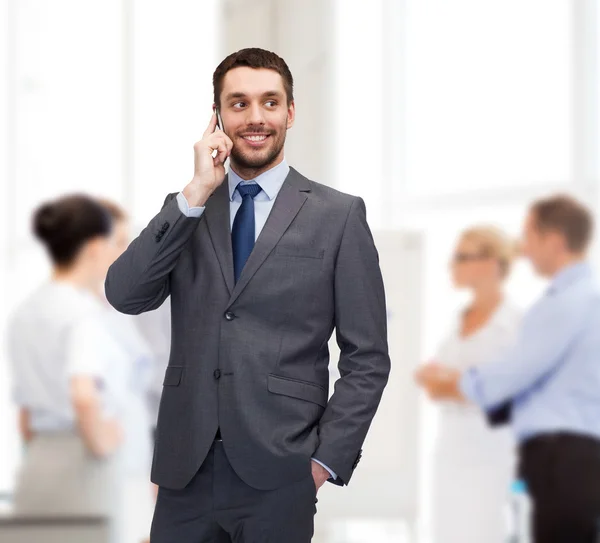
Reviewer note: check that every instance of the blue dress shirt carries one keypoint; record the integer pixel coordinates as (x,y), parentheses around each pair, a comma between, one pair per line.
(552,373)
(270,182)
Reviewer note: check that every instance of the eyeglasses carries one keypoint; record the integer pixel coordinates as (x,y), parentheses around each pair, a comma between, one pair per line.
(459,258)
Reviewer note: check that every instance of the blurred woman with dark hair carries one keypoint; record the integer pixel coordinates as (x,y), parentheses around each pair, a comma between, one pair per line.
(71,376)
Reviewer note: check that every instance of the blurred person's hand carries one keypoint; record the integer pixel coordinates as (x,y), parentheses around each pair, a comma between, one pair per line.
(319,474)
(209,172)
(100,435)
(112,437)
(427,372)
(421,373)
(107,440)
(440,382)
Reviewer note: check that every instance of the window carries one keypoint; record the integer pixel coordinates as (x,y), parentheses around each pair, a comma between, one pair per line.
(172,101)
(488,94)
(357,114)
(67,107)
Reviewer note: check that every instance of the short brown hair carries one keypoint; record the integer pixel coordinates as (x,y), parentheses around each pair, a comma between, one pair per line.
(565,215)
(253,58)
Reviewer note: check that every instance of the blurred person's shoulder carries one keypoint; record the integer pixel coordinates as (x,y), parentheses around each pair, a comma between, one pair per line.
(53,303)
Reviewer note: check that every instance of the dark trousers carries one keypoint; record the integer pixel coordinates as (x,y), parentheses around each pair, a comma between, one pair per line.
(217,506)
(562,472)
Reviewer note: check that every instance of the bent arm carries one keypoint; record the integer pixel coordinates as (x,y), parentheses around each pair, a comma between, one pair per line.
(138,281)
(361,328)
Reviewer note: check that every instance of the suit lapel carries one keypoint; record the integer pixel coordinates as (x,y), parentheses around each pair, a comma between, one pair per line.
(288,203)
(218,222)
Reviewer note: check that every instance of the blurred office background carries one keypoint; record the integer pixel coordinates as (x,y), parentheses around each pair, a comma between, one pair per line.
(439,113)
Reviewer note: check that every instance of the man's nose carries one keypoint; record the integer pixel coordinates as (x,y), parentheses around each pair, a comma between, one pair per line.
(255,115)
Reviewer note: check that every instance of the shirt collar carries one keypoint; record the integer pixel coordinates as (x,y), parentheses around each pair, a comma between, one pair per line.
(270,181)
(568,275)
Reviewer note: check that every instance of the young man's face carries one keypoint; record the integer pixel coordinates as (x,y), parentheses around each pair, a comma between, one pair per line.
(256,116)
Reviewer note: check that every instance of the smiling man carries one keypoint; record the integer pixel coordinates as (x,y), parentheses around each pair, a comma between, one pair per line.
(261,265)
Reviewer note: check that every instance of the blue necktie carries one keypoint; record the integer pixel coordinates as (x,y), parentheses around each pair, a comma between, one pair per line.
(243,231)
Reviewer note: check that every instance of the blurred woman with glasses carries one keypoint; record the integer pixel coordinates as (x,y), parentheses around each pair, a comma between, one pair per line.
(474,464)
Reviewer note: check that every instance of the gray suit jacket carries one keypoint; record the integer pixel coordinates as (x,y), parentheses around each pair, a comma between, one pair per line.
(252,357)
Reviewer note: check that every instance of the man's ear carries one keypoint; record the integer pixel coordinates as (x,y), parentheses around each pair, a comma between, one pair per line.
(291,114)
(557,241)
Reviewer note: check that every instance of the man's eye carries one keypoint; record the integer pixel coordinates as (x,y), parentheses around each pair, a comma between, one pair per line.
(239,105)
(271,103)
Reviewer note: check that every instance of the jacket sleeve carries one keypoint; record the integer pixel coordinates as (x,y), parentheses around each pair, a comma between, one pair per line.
(361,331)
(138,281)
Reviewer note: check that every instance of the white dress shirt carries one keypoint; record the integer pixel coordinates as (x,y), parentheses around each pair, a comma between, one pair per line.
(270,182)
(44,346)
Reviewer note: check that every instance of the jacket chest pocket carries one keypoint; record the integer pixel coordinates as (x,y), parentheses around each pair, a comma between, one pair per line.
(299,253)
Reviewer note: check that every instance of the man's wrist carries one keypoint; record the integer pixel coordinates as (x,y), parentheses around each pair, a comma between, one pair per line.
(196,196)
(325,468)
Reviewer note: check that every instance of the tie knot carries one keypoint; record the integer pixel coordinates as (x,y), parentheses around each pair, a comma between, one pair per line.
(249,190)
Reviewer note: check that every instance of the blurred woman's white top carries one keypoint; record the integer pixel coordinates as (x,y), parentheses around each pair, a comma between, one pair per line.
(61,331)
(45,343)
(473,463)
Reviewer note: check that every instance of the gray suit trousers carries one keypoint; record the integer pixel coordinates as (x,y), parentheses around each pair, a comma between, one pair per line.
(218,507)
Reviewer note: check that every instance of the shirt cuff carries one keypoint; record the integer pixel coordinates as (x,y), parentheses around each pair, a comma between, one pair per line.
(185,208)
(331,472)
(471,387)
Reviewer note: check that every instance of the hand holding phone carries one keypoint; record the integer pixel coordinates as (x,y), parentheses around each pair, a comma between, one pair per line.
(209,170)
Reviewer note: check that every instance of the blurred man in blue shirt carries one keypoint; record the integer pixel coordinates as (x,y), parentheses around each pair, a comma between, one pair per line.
(550,380)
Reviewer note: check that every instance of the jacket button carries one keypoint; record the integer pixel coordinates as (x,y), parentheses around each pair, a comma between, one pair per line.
(217,374)
(229,316)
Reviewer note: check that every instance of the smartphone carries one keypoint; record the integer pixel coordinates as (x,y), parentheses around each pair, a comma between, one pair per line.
(219,126)
(219,120)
